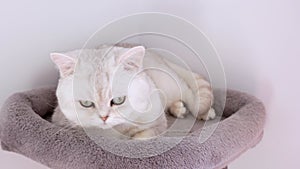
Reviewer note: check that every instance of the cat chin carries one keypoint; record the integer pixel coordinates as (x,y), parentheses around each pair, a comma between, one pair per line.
(105,126)
(100,126)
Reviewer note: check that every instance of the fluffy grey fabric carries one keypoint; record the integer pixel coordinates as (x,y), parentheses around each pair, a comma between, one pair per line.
(24,130)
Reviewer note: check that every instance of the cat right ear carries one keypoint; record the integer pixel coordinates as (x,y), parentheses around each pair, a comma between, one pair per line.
(65,64)
(132,59)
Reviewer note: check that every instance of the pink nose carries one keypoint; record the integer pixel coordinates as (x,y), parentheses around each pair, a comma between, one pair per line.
(104,118)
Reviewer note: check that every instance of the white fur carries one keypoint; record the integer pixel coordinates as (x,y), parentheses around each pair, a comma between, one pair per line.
(151,84)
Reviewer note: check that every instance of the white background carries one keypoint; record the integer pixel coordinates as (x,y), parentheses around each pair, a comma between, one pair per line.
(258,42)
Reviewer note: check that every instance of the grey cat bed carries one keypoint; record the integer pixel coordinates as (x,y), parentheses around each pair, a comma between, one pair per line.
(24,130)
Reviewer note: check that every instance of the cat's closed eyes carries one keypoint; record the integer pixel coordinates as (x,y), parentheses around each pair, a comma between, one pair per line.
(114,87)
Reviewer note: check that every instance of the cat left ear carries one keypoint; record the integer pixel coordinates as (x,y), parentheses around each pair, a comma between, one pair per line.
(65,64)
(133,58)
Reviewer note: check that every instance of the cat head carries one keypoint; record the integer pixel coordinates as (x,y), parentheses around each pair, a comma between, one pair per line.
(102,87)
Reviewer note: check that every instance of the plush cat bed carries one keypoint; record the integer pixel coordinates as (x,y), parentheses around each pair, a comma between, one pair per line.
(24,130)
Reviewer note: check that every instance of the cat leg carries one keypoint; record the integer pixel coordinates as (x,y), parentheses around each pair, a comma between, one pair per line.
(178,109)
(200,99)
(204,99)
(145,134)
(211,114)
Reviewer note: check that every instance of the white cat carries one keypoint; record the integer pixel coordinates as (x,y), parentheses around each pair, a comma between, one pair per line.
(127,89)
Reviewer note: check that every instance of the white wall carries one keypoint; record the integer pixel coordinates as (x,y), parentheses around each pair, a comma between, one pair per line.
(257,40)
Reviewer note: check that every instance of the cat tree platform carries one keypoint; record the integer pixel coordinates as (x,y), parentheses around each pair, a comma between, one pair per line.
(24,130)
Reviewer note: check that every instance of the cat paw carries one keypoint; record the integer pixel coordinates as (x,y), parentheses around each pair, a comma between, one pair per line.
(178,109)
(211,114)
(143,135)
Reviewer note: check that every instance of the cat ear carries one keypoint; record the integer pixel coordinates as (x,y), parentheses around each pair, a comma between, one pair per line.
(133,58)
(65,64)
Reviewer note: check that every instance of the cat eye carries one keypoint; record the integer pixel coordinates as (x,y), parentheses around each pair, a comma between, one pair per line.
(118,100)
(86,104)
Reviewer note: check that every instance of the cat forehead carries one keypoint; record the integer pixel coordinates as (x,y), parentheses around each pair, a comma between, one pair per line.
(104,52)
(93,61)
(102,77)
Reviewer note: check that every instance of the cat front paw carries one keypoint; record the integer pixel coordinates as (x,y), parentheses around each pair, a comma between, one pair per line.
(143,135)
(178,109)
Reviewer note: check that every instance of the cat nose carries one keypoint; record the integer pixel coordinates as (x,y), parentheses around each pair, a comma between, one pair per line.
(104,118)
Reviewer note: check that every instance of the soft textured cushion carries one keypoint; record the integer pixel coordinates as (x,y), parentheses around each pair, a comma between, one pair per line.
(25,130)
